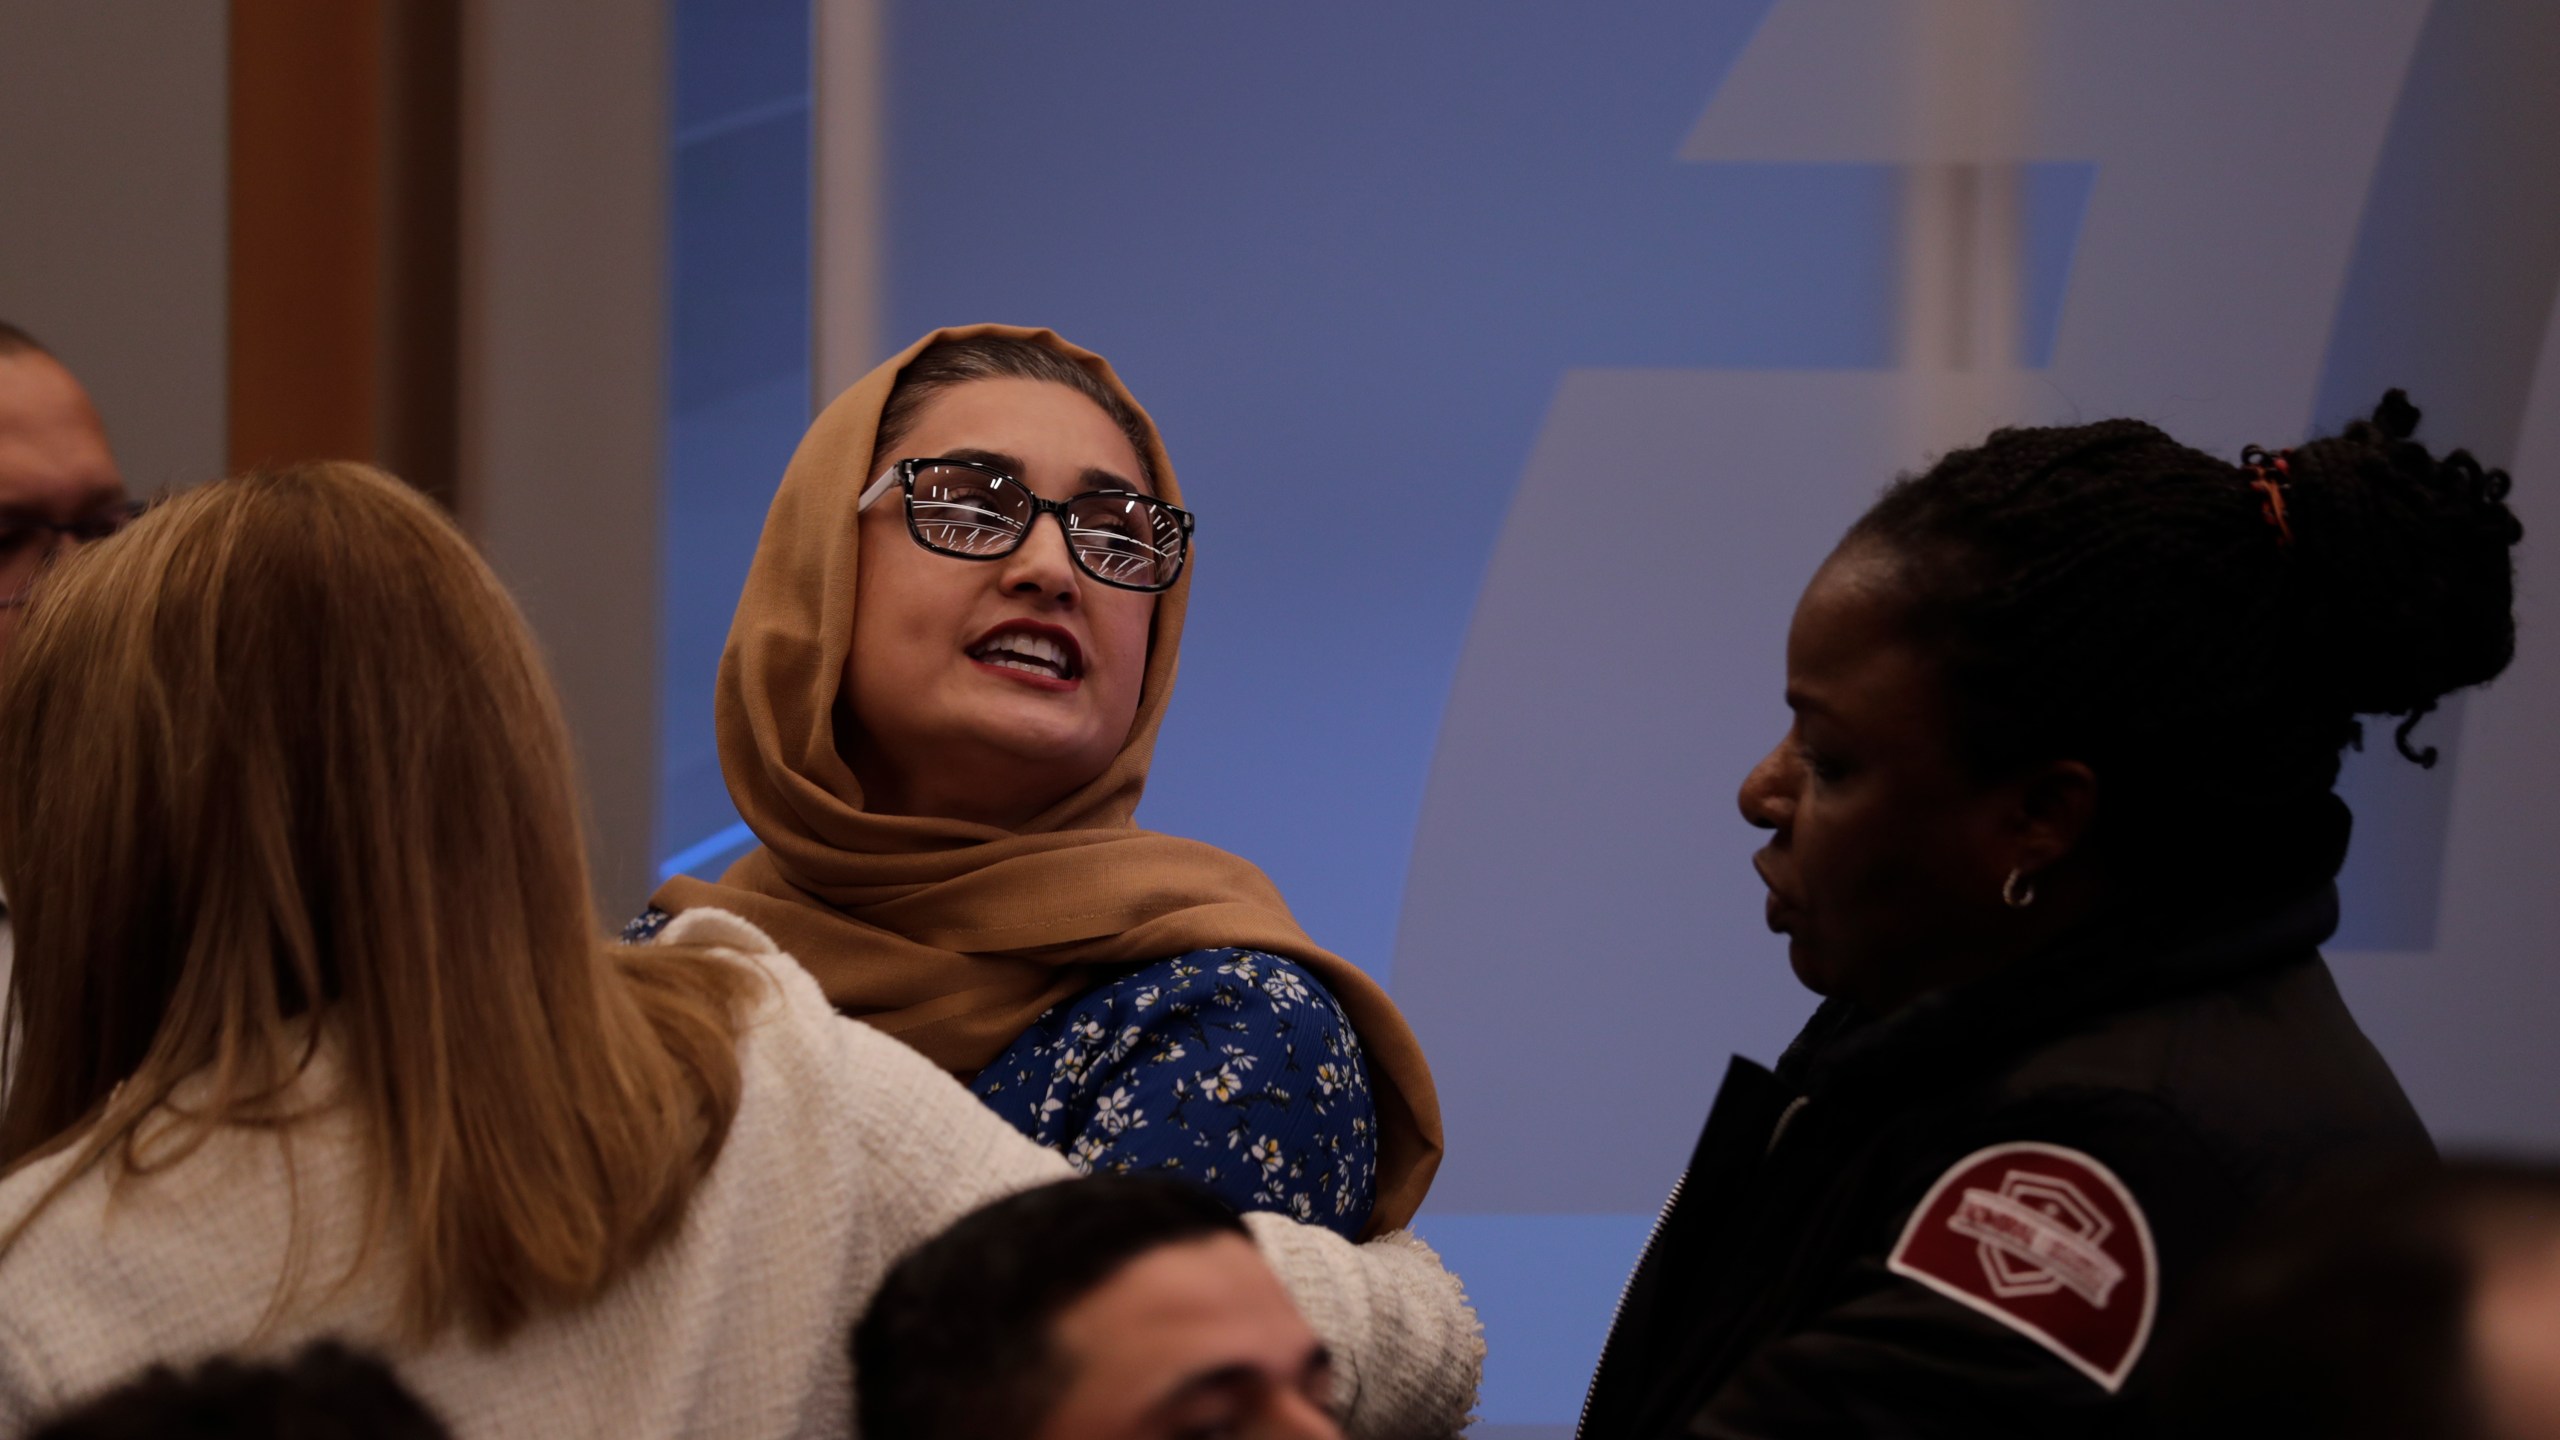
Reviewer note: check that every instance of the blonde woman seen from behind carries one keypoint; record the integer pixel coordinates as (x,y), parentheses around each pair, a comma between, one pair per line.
(319,1036)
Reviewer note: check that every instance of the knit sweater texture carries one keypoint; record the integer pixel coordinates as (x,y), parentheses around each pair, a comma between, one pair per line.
(848,1150)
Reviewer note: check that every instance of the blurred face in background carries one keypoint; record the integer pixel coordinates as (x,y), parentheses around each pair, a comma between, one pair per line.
(2515,1340)
(1188,1342)
(988,690)
(55,471)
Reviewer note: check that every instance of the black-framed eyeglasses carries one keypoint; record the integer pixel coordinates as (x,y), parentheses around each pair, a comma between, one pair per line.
(970,511)
(28,546)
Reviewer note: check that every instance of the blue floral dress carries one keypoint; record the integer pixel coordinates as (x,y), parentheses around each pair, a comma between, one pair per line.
(1233,1068)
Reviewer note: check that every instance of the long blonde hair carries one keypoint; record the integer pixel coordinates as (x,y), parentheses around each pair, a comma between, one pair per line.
(286,774)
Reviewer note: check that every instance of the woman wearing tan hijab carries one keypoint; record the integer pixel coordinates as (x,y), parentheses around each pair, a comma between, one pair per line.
(936,711)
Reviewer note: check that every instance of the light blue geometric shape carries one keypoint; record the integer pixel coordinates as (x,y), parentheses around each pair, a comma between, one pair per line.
(1546,1287)
(2452,311)
(2052,198)
(702,852)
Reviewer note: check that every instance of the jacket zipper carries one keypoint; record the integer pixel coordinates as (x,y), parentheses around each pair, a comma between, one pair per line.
(1618,1311)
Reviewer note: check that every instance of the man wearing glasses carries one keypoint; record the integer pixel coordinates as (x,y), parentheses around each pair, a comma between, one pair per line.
(58,482)
(58,489)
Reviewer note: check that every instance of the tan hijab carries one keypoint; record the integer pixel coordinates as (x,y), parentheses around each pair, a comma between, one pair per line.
(955,936)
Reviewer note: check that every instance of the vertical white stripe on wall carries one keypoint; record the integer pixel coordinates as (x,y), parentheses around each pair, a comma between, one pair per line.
(847,139)
(1970,69)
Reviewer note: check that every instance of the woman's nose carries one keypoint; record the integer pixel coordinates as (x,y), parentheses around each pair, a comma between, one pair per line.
(1040,564)
(1767,797)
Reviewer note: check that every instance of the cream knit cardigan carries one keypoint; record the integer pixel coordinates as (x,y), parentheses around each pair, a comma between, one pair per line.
(848,1150)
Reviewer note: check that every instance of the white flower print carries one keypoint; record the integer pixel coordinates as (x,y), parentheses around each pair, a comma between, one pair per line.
(1194,1065)
(1117,1111)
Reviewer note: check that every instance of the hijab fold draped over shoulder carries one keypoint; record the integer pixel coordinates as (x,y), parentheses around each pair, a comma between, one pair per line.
(956,936)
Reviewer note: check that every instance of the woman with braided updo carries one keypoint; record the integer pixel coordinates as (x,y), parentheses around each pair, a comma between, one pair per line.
(2054,834)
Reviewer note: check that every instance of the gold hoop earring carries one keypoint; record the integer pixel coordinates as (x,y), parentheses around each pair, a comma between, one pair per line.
(2018,892)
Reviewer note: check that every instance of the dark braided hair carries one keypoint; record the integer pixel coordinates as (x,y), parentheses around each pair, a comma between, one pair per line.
(2102,593)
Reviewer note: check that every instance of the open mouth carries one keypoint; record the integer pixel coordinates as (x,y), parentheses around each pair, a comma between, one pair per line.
(1780,909)
(1033,649)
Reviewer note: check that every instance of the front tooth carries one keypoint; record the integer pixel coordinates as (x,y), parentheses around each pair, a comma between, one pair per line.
(1043,648)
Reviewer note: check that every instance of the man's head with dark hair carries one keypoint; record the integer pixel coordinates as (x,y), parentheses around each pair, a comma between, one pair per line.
(2421,1306)
(58,480)
(1116,1306)
(328,1392)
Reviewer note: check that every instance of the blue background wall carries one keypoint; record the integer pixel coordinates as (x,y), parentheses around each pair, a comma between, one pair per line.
(1522,364)
(737,367)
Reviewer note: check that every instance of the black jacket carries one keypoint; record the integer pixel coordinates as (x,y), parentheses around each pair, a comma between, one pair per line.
(1790,1291)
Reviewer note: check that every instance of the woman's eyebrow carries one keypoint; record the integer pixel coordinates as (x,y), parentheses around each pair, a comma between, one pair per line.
(993,459)
(1092,477)
(1101,479)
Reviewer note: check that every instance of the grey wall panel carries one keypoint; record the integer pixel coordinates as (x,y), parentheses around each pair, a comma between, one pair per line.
(564,216)
(113,195)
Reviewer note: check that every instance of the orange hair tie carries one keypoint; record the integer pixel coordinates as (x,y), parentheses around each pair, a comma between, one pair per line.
(2271,487)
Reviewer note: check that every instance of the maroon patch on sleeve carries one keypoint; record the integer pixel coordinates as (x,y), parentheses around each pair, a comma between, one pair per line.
(2046,1241)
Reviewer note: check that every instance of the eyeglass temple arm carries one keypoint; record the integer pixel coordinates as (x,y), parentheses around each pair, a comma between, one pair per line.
(877,489)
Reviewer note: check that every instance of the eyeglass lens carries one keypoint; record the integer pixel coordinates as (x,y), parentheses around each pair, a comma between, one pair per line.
(26,547)
(1119,539)
(23,551)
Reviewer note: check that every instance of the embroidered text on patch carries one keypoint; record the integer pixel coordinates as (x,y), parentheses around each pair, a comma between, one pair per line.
(2047,1241)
